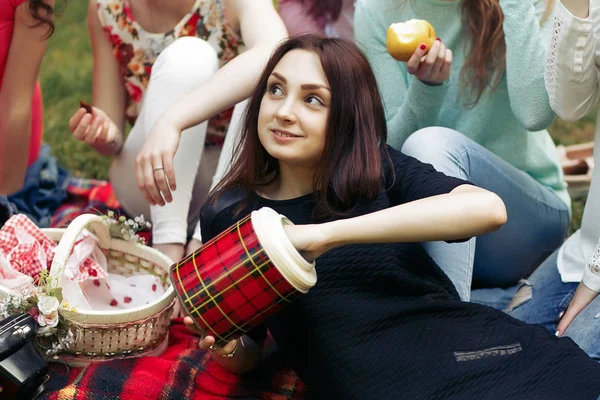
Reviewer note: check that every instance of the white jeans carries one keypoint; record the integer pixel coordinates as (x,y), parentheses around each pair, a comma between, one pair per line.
(179,69)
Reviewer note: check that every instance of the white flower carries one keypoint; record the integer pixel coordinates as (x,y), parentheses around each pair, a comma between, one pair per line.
(47,305)
(48,320)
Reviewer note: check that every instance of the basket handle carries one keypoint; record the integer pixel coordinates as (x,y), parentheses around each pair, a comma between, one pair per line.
(67,242)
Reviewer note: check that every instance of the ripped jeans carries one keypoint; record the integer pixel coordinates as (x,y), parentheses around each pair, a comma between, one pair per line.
(544,296)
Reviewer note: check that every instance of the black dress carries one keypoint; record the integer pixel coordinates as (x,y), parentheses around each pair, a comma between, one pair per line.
(384,321)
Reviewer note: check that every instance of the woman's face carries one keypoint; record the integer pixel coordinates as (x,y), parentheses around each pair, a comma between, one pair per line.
(293,112)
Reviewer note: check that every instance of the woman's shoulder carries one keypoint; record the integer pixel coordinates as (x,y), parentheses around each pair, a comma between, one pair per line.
(230,198)
(109,11)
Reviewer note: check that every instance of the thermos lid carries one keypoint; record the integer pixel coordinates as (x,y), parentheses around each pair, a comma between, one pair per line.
(268,226)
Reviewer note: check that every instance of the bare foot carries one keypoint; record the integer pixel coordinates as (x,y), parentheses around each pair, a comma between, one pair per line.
(192,246)
(172,250)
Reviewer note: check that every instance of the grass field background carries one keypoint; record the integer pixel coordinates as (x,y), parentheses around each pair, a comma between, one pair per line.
(66,78)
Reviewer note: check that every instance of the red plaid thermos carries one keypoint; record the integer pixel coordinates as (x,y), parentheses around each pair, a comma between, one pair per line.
(241,277)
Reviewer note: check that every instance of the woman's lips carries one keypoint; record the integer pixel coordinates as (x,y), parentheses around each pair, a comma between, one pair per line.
(283,136)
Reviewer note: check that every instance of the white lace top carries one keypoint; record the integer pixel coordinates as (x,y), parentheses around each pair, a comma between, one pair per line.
(573,86)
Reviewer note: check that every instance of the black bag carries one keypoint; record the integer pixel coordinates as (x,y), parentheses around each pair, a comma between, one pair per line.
(22,368)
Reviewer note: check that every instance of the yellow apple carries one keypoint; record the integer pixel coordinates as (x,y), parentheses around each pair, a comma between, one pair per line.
(404,38)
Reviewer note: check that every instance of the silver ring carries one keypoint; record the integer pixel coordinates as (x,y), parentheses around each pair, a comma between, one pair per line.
(157,169)
(213,347)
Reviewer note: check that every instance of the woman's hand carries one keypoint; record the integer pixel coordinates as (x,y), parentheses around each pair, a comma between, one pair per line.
(154,163)
(97,130)
(208,342)
(583,297)
(431,66)
(309,240)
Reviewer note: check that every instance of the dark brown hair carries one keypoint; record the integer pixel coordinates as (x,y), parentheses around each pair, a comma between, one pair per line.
(486,59)
(350,170)
(43,13)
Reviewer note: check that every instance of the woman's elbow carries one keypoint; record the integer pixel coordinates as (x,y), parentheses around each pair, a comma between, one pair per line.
(497,216)
(533,120)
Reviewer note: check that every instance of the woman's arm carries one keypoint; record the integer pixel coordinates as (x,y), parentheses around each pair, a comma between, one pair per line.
(104,129)
(25,55)
(527,43)
(408,107)
(261,30)
(464,212)
(572,71)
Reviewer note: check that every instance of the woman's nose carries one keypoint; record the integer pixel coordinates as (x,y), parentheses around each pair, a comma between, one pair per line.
(286,111)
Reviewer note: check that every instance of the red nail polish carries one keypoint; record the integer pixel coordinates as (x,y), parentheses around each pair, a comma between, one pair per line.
(423,46)
(438,39)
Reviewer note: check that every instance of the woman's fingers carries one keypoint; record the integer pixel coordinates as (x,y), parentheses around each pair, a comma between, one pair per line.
(413,64)
(447,64)
(583,296)
(170,172)
(439,62)
(145,178)
(426,67)
(82,127)
(160,177)
(76,119)
(94,134)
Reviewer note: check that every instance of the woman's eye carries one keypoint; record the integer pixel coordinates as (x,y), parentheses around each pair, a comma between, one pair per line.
(274,89)
(314,100)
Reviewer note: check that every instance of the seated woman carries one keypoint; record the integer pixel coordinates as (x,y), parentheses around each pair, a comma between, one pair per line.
(474,106)
(177,60)
(383,320)
(25,26)
(568,282)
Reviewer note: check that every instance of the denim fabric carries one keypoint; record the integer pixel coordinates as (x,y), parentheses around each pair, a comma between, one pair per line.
(550,296)
(537,218)
(44,190)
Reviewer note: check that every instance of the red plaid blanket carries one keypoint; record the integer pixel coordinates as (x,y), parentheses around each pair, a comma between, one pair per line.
(85,196)
(182,372)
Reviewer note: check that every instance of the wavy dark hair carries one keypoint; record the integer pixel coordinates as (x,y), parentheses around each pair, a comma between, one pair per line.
(43,13)
(350,171)
(486,60)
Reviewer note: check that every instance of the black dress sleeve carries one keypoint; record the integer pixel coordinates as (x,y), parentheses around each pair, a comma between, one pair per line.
(218,214)
(413,180)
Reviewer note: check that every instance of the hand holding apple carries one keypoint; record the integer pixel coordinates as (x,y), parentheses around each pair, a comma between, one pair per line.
(404,38)
(426,57)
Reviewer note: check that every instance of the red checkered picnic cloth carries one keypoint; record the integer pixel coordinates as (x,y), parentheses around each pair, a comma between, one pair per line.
(31,257)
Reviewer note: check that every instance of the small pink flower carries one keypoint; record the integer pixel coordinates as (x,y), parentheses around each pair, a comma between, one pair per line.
(50,320)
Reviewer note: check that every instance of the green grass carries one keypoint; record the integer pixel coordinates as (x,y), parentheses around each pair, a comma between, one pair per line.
(66,78)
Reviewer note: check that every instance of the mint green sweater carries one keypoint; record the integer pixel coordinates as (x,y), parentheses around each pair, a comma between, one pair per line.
(510,122)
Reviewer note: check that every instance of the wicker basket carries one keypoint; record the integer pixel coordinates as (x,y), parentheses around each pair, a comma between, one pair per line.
(106,335)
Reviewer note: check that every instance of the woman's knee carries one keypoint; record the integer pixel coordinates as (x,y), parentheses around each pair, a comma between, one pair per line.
(189,60)
(430,142)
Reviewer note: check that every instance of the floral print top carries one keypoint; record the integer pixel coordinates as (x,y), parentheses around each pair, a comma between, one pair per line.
(136,50)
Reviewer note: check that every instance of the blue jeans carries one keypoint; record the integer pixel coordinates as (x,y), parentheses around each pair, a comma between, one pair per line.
(537,218)
(549,297)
